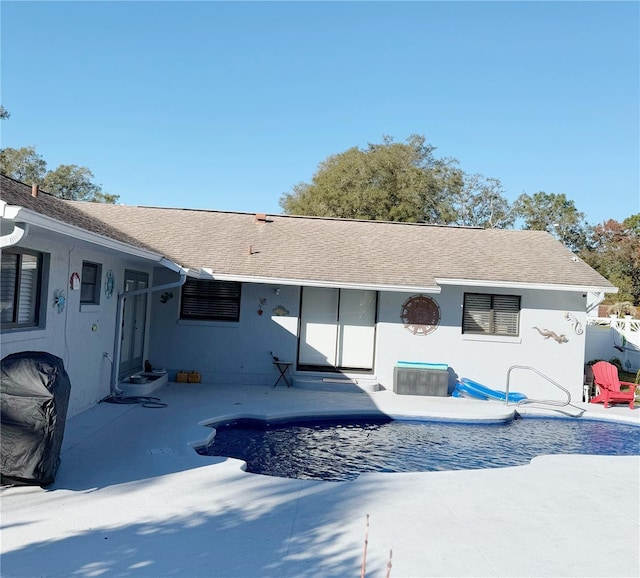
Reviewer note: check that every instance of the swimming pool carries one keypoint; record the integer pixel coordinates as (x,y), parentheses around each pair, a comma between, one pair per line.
(341,448)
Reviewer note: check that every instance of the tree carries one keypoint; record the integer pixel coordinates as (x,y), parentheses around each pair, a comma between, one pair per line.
(555,214)
(4,113)
(66,182)
(480,203)
(389,181)
(75,183)
(23,164)
(614,252)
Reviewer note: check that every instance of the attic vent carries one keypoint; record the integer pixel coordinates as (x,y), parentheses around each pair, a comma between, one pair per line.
(261,218)
(34,189)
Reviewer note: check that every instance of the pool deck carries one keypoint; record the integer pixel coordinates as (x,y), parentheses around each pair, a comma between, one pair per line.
(132,498)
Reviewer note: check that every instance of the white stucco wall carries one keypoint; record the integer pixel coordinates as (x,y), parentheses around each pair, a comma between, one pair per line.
(80,337)
(487,359)
(240,352)
(226,352)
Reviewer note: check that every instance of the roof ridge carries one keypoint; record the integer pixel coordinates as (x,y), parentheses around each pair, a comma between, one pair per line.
(284,216)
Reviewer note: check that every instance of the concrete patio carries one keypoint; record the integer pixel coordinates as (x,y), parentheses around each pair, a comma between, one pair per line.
(132,498)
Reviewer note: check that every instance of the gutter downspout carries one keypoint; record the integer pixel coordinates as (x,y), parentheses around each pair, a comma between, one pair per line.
(598,298)
(120,312)
(13,238)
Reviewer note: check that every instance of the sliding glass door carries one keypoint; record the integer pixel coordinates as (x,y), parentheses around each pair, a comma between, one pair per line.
(337,329)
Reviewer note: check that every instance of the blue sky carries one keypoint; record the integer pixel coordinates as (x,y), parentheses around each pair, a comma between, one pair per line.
(227,105)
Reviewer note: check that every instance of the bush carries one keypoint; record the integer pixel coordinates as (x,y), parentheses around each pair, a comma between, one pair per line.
(615,361)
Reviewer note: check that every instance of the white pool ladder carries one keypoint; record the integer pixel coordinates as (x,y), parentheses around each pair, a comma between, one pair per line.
(557,405)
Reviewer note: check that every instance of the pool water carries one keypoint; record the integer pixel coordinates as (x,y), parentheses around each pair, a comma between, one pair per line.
(342,448)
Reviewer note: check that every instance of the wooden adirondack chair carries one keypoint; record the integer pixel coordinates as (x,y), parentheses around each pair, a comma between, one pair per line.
(605,376)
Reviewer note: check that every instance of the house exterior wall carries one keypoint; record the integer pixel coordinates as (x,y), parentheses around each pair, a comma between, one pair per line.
(225,352)
(79,335)
(240,352)
(487,359)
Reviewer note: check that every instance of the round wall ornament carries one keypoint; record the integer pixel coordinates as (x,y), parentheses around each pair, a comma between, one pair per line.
(420,314)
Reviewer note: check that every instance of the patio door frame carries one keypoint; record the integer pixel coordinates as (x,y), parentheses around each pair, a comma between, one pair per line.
(336,326)
(134,322)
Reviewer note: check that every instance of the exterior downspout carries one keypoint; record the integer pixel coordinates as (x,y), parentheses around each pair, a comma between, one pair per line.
(598,298)
(120,312)
(13,238)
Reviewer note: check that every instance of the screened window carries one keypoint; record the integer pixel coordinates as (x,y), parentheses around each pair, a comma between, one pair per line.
(90,283)
(20,288)
(210,300)
(491,314)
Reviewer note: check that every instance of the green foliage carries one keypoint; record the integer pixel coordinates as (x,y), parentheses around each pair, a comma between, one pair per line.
(616,361)
(75,183)
(23,164)
(555,214)
(632,225)
(480,203)
(4,113)
(623,308)
(614,251)
(66,182)
(389,181)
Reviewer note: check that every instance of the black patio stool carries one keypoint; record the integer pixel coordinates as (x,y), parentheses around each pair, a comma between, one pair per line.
(283,368)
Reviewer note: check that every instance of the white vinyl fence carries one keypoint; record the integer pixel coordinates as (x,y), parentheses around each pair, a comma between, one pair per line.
(609,337)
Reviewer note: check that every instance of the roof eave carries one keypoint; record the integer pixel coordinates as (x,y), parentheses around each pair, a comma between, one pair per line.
(523,285)
(22,215)
(207,273)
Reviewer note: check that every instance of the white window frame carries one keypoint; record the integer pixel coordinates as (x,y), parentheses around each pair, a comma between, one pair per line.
(491,314)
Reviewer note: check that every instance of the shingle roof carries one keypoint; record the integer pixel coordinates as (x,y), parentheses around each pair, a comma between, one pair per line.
(334,251)
(16,193)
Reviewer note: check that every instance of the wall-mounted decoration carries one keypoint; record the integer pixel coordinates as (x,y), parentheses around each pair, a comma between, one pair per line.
(59,300)
(74,281)
(420,314)
(109,282)
(279,311)
(575,324)
(546,333)
(166,296)
(263,302)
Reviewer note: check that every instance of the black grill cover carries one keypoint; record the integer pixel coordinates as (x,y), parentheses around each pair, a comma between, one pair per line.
(34,392)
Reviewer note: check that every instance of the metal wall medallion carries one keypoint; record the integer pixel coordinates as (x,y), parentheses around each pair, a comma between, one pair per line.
(420,314)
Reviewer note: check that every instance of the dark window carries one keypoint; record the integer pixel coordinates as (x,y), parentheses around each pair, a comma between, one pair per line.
(491,314)
(210,300)
(90,284)
(20,288)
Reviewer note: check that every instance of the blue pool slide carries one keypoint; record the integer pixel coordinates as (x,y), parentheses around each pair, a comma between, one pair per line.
(469,388)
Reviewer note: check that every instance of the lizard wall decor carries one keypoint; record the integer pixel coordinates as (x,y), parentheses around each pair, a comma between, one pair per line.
(546,334)
(577,326)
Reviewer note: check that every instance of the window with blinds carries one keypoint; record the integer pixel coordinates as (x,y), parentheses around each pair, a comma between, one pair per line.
(491,314)
(20,288)
(210,300)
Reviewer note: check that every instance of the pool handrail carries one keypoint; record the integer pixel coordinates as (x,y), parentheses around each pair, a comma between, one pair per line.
(552,402)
